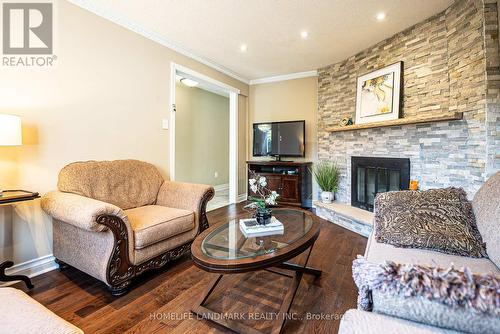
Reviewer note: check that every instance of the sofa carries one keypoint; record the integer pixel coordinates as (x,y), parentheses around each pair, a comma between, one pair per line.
(388,319)
(21,314)
(114,220)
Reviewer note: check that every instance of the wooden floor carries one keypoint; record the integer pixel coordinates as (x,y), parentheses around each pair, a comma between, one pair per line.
(160,301)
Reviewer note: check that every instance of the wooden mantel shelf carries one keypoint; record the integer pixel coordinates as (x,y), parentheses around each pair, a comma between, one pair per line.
(401,121)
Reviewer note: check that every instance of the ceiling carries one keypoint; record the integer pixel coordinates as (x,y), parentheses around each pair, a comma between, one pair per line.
(212,31)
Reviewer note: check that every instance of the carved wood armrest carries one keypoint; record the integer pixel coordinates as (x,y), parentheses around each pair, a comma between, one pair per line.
(120,268)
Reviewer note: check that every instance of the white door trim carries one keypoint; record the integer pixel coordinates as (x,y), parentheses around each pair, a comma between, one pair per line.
(233,125)
(233,147)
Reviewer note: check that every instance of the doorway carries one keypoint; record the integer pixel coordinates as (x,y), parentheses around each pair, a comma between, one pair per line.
(203,133)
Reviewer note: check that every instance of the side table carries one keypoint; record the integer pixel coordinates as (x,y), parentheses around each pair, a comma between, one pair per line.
(6,198)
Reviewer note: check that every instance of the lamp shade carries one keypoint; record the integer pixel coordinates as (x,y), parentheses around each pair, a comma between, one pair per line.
(10,130)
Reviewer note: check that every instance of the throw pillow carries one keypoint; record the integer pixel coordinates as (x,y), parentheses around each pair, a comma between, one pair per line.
(439,219)
(448,298)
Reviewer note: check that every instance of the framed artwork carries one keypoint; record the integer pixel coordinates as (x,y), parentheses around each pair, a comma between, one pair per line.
(378,95)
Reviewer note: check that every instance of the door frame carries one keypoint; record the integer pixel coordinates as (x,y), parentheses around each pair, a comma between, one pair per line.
(233,124)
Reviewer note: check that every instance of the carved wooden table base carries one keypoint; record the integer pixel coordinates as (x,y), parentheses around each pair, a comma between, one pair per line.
(237,326)
(9,278)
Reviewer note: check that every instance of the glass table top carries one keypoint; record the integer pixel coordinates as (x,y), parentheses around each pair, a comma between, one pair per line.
(229,243)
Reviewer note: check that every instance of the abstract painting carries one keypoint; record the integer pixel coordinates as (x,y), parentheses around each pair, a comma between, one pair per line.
(378,94)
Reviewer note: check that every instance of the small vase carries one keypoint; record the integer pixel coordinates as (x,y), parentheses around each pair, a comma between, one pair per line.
(327,197)
(263,216)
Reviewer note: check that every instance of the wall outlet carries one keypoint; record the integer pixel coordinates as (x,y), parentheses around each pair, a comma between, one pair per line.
(216,174)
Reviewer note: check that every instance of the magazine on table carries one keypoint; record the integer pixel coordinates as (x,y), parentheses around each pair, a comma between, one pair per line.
(251,228)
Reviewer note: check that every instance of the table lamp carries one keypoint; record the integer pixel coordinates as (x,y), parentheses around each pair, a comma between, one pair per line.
(10,132)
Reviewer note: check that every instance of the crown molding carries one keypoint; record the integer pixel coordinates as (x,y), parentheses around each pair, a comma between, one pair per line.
(284,77)
(151,35)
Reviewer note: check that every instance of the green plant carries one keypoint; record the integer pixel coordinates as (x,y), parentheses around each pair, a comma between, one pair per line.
(327,175)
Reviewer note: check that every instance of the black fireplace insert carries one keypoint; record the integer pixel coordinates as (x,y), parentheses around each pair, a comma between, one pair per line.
(372,175)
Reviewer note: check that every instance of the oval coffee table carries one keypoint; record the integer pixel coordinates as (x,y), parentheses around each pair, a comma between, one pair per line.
(224,249)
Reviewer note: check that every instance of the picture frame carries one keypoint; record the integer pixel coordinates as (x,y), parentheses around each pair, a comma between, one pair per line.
(378,94)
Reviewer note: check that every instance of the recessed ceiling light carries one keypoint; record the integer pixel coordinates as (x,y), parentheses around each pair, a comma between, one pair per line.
(380,16)
(243,48)
(189,82)
(304,34)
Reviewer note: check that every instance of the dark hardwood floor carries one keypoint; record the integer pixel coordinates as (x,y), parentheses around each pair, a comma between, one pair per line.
(160,301)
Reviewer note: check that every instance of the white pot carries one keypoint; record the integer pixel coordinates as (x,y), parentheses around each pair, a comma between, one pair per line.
(327,197)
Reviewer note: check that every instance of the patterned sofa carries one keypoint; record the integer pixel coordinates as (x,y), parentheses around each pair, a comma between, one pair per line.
(388,310)
(115,220)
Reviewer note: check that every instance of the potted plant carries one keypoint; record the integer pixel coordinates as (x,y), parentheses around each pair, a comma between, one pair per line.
(327,174)
(263,199)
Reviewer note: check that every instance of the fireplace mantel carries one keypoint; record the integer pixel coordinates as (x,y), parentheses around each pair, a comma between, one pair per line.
(401,121)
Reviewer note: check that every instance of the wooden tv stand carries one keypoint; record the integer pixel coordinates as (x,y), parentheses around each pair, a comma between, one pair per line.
(292,180)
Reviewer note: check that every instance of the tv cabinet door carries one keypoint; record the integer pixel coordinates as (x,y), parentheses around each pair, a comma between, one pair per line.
(290,191)
(274,182)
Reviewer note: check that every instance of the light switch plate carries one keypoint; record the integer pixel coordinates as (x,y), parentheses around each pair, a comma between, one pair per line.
(164,124)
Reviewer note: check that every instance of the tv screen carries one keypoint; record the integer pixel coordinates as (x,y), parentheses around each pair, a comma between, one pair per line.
(279,139)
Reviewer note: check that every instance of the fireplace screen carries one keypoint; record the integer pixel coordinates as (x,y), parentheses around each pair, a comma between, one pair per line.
(374,175)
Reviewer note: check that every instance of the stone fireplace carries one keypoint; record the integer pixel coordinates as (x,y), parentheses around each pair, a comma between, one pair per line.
(372,175)
(450,65)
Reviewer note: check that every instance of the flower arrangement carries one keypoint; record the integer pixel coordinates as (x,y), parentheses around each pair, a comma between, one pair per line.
(263,199)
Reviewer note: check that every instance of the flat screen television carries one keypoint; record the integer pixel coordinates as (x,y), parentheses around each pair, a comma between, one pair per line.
(279,139)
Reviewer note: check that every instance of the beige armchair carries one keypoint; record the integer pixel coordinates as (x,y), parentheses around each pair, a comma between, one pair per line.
(115,220)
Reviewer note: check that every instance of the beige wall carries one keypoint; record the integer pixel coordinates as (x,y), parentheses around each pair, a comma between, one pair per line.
(104,99)
(202,136)
(282,101)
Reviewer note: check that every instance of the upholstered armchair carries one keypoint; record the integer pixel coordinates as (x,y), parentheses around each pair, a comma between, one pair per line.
(115,220)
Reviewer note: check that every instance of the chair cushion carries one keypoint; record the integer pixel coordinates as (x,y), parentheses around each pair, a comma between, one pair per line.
(155,223)
(22,314)
(378,252)
(124,183)
(486,205)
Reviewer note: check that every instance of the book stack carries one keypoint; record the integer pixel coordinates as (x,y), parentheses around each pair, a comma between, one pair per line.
(250,228)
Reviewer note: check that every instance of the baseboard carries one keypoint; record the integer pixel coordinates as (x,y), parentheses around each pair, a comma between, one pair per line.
(221,187)
(32,268)
(241,198)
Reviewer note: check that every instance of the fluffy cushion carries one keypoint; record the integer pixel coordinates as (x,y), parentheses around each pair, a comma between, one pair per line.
(439,219)
(428,312)
(486,206)
(450,298)
(124,183)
